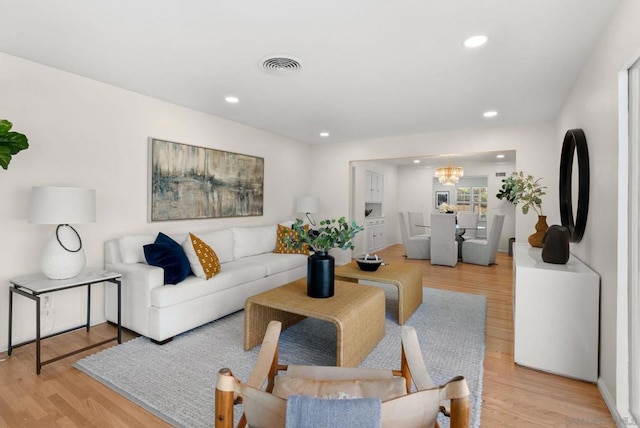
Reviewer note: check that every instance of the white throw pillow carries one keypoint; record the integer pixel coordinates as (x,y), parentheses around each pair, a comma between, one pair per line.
(249,241)
(203,259)
(131,247)
(221,241)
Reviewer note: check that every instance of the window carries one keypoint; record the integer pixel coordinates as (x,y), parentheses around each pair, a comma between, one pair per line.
(472,199)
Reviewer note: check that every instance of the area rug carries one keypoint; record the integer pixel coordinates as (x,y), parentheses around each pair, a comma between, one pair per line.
(176,381)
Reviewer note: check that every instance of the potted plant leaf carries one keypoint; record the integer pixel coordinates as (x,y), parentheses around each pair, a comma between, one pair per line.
(10,143)
(320,265)
(523,189)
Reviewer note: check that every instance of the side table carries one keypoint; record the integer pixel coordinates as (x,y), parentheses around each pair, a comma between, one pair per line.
(406,278)
(32,286)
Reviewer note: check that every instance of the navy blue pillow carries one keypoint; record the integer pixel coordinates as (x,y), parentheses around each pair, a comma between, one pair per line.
(169,255)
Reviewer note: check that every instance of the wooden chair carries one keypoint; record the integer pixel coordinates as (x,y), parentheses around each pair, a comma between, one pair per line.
(264,395)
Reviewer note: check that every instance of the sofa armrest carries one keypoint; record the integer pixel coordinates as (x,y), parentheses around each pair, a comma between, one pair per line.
(138,279)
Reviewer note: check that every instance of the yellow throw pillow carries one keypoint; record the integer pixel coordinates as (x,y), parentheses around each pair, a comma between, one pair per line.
(281,247)
(207,259)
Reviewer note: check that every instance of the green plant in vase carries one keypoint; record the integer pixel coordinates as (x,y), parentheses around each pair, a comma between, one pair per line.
(10,143)
(332,233)
(526,190)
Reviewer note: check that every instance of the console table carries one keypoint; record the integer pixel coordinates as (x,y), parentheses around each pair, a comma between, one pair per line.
(32,286)
(556,315)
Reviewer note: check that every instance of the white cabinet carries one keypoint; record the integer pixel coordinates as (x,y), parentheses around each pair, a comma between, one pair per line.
(375,234)
(556,315)
(373,187)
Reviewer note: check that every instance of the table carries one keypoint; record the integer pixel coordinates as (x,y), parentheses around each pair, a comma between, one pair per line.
(356,310)
(407,278)
(33,286)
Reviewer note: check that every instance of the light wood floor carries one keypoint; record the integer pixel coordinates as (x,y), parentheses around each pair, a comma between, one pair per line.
(513,396)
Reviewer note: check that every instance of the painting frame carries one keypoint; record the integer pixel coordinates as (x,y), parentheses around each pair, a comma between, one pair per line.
(187,182)
(442,197)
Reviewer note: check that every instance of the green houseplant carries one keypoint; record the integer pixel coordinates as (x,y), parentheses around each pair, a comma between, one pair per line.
(523,189)
(320,265)
(10,143)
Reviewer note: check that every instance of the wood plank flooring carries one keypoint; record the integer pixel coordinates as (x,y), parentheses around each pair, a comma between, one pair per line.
(513,396)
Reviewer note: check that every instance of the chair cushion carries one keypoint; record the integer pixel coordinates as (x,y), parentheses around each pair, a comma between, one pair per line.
(385,389)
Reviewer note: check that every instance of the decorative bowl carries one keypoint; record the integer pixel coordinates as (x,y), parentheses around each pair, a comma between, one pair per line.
(369,265)
(368,211)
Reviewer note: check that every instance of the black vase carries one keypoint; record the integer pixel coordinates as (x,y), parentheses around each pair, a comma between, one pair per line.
(320,274)
(556,245)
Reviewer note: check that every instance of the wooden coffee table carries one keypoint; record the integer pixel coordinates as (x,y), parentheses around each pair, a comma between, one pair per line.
(407,278)
(356,310)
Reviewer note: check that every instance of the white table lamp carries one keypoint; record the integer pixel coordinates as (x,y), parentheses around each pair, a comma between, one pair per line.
(63,256)
(308,205)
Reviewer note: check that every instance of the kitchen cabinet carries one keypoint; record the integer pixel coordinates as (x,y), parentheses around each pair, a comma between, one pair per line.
(374,187)
(375,234)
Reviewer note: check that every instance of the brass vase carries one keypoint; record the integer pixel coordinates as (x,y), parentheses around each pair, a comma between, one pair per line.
(535,240)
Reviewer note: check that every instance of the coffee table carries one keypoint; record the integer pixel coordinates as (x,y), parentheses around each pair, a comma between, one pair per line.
(356,310)
(407,278)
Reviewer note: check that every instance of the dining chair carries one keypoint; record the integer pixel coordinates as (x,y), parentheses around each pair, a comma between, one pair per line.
(416,218)
(444,247)
(415,247)
(483,252)
(469,222)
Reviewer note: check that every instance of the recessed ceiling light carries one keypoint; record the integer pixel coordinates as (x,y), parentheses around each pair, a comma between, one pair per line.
(324,134)
(491,113)
(475,41)
(500,156)
(416,161)
(231,99)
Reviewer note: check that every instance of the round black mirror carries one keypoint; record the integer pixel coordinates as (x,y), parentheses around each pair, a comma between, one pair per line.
(575,144)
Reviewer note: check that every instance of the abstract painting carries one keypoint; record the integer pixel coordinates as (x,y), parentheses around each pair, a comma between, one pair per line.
(190,182)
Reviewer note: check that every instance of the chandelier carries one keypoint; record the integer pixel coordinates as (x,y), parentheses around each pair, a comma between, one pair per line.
(449,175)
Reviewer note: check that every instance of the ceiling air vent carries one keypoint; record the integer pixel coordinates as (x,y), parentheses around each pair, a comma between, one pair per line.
(281,64)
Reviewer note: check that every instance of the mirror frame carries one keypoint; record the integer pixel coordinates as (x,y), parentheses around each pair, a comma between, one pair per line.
(574,142)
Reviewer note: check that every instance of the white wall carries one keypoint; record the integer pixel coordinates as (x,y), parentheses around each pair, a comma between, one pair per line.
(592,106)
(88,134)
(537,154)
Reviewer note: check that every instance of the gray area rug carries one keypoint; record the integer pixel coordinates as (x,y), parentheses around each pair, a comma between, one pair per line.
(176,381)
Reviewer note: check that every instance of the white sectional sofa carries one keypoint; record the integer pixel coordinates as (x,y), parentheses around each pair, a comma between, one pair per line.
(158,311)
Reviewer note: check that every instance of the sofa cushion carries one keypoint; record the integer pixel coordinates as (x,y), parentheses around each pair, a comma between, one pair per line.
(131,247)
(220,241)
(169,255)
(281,247)
(249,241)
(276,263)
(231,275)
(202,259)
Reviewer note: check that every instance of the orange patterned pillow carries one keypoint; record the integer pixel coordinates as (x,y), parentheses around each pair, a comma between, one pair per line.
(281,247)
(207,258)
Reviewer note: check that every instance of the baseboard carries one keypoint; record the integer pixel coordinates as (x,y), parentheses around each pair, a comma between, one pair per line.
(622,417)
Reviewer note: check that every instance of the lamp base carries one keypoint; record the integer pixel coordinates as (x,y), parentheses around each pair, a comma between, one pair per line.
(58,262)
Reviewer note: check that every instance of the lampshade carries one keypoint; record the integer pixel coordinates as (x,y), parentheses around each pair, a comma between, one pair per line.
(308,204)
(63,257)
(62,205)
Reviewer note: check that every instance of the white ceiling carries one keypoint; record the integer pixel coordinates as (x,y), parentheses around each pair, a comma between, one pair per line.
(370,68)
